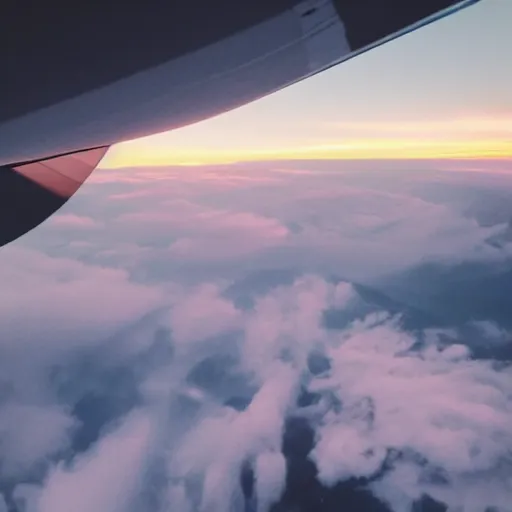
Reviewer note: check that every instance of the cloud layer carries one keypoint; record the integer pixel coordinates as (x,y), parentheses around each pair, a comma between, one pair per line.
(259,340)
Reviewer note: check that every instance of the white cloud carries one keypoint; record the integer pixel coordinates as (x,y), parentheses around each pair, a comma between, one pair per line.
(270,479)
(452,411)
(442,411)
(287,322)
(202,313)
(51,303)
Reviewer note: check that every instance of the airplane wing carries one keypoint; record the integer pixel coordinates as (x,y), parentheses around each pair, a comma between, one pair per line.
(81,77)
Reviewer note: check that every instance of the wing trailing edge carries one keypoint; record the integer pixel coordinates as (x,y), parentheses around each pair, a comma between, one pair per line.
(32,191)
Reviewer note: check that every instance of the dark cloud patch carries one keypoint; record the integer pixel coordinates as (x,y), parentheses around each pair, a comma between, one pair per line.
(456,294)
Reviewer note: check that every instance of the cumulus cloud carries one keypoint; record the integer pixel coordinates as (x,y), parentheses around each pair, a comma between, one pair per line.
(216,449)
(287,323)
(202,313)
(415,418)
(444,413)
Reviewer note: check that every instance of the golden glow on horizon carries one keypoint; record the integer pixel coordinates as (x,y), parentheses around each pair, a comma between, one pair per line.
(358,149)
(440,92)
(455,138)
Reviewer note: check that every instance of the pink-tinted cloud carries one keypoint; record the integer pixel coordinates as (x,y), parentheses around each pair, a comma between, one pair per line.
(442,411)
(225,236)
(84,301)
(382,390)
(336,216)
(52,309)
(202,313)
(107,478)
(73,221)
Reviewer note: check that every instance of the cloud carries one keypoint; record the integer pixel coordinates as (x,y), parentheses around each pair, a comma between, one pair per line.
(107,478)
(324,221)
(85,302)
(53,312)
(31,433)
(161,355)
(429,419)
(287,321)
(491,331)
(444,413)
(73,221)
(425,417)
(270,479)
(219,445)
(228,235)
(202,313)
(349,218)
(373,233)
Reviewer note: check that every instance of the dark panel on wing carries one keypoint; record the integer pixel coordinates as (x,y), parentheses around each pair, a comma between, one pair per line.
(58,50)
(368,21)
(31,191)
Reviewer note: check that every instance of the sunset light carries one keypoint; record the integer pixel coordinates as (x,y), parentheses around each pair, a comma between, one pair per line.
(456,138)
(440,92)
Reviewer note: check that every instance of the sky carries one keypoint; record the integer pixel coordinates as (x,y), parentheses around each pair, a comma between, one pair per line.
(442,91)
